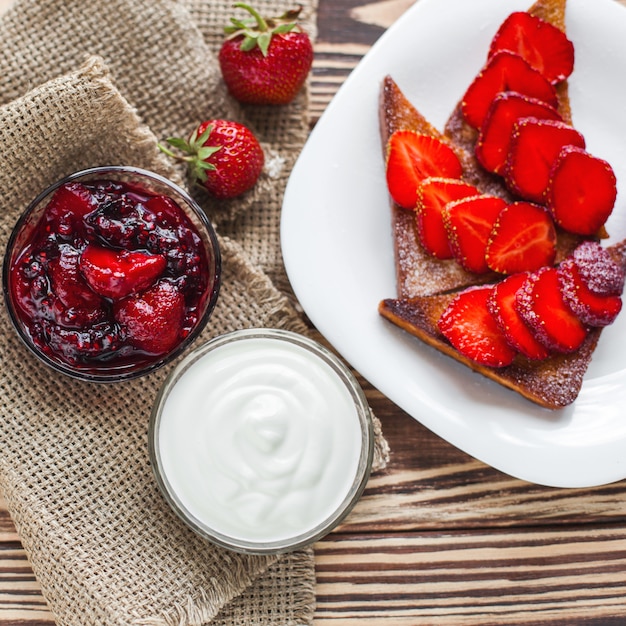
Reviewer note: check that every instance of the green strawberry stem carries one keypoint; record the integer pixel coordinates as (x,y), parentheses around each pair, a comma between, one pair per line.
(260,32)
(261,23)
(194,152)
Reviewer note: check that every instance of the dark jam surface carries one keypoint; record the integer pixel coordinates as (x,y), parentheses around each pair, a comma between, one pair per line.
(111,276)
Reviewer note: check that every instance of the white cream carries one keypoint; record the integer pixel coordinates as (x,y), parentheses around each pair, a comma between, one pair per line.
(260,440)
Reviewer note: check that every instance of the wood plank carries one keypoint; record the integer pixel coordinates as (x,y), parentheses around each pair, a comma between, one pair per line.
(7,528)
(21,601)
(571,576)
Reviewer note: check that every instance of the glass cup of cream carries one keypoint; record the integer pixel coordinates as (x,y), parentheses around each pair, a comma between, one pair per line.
(261,440)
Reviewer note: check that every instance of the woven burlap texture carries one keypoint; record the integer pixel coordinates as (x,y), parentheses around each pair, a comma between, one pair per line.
(90,83)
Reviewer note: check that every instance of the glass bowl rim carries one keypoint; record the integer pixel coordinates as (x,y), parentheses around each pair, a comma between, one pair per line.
(364,466)
(115,376)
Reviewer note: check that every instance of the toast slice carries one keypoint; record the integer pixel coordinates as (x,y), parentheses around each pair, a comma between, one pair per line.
(553,383)
(417,272)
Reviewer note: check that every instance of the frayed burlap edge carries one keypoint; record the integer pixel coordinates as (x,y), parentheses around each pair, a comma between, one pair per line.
(299,565)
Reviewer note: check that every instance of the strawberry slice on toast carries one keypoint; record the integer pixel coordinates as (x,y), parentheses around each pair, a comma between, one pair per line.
(418,272)
(553,382)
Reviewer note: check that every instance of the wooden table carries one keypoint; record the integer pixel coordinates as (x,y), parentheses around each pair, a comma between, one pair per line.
(438,538)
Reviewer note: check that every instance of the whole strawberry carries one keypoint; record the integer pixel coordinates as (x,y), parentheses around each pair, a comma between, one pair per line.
(265,61)
(223,156)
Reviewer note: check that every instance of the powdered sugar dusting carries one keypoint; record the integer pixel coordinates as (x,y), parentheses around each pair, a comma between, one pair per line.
(597,268)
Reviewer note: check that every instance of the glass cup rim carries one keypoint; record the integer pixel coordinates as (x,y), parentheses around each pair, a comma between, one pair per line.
(364,415)
(91,172)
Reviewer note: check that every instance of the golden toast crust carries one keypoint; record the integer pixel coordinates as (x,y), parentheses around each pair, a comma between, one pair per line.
(552,383)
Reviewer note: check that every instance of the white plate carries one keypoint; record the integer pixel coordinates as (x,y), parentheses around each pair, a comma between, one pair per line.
(337,246)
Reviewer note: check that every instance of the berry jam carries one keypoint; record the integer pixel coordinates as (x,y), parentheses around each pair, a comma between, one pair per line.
(112,276)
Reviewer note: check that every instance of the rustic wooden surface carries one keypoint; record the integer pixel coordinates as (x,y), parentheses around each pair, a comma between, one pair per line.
(438,538)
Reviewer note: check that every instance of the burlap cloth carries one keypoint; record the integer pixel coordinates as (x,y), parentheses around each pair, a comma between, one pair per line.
(84,83)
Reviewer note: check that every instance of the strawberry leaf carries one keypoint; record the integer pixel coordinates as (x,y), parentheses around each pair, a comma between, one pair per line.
(259,30)
(207,151)
(263,42)
(200,141)
(284,28)
(178,142)
(248,43)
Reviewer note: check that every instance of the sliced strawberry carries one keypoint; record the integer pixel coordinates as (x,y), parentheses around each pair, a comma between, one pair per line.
(542,45)
(504,71)
(76,305)
(432,195)
(115,274)
(469,326)
(597,268)
(153,320)
(581,191)
(591,308)
(502,305)
(468,223)
(535,145)
(523,239)
(412,157)
(541,305)
(494,138)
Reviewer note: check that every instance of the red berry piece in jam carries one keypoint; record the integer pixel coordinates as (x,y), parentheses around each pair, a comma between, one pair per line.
(166,211)
(116,274)
(121,222)
(76,305)
(153,320)
(71,199)
(75,346)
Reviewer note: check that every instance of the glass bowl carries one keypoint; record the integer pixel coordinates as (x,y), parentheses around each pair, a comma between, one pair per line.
(141,295)
(261,441)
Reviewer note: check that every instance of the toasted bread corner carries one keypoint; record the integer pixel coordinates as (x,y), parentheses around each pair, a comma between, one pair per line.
(552,383)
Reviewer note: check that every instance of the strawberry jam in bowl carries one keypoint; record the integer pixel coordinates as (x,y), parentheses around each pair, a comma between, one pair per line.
(111,273)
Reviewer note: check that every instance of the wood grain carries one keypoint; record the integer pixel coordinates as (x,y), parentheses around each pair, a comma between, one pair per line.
(530,576)
(438,538)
